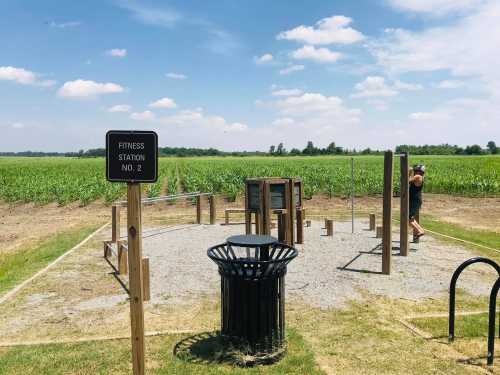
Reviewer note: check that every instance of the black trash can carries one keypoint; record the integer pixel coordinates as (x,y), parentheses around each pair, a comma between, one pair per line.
(253,269)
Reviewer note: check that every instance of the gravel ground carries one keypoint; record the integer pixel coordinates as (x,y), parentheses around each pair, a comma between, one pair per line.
(328,272)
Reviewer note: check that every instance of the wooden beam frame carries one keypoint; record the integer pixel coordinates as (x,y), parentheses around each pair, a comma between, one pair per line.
(387,214)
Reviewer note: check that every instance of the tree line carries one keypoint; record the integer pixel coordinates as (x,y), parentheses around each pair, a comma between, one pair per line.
(280,150)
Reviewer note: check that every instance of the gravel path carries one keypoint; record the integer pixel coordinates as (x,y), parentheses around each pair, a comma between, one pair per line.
(328,272)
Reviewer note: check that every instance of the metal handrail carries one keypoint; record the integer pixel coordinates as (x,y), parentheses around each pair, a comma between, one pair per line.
(453,283)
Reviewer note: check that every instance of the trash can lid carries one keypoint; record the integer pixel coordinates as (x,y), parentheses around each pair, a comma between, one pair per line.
(251,240)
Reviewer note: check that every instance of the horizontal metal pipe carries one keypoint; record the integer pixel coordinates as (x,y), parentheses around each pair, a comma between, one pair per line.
(167,198)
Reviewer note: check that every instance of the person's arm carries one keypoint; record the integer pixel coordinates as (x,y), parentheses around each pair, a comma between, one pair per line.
(417,180)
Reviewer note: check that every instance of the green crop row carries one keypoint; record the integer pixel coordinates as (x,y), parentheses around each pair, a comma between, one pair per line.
(64,180)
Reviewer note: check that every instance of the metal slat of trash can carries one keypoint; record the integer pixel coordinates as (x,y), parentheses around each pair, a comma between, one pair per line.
(253,290)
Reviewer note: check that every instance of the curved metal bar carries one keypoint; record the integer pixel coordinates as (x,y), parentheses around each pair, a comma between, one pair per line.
(453,283)
(491,321)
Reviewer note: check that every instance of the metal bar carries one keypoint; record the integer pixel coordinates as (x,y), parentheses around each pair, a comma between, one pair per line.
(166,198)
(453,284)
(491,322)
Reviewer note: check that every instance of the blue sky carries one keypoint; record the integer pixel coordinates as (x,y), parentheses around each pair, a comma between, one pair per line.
(244,75)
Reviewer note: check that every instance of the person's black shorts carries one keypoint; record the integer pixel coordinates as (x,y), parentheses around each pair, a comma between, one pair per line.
(414,209)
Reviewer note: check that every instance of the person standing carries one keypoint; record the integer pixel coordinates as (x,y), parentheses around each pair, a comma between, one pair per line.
(416,186)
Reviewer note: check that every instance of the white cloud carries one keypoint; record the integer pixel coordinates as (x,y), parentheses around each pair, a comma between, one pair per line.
(120,108)
(17,125)
(117,52)
(196,120)
(435,7)
(290,69)
(149,15)
(283,121)
(264,59)
(178,76)
(449,84)
(373,86)
(23,76)
(286,92)
(315,104)
(407,86)
(143,116)
(166,103)
(379,105)
(429,116)
(329,30)
(321,55)
(64,25)
(87,89)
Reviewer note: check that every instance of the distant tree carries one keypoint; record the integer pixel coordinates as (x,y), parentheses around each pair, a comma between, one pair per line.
(280,150)
(331,148)
(473,150)
(272,149)
(294,151)
(310,149)
(492,147)
(368,151)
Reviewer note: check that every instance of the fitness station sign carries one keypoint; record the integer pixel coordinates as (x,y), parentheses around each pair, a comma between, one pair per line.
(131,156)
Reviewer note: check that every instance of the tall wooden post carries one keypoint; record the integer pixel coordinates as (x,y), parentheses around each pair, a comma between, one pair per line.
(387,214)
(329,227)
(115,223)
(213,211)
(404,205)
(122,259)
(134,228)
(198,209)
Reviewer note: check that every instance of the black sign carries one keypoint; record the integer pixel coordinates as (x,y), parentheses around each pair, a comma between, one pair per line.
(131,156)
(254,196)
(278,196)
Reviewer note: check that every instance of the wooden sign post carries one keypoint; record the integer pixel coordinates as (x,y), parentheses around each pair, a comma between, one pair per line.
(132,157)
(387,214)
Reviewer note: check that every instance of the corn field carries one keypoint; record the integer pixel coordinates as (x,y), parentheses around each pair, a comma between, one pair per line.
(65,180)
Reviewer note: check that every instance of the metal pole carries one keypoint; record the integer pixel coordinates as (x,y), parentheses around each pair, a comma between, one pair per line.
(352,194)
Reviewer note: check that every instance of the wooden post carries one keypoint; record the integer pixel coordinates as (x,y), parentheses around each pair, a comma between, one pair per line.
(198,209)
(308,223)
(146,279)
(379,232)
(291,212)
(248,214)
(329,227)
(404,206)
(300,225)
(213,211)
(281,227)
(266,210)
(107,250)
(372,221)
(122,259)
(387,214)
(257,222)
(115,223)
(134,229)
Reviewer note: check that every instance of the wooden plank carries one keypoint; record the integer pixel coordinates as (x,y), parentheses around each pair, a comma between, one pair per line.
(387,214)
(329,227)
(146,286)
(213,211)
(115,223)
(379,231)
(198,209)
(300,225)
(373,221)
(266,208)
(134,229)
(122,259)
(405,205)
(291,211)
(248,214)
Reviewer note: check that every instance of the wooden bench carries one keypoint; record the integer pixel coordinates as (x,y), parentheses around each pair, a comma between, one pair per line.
(228,211)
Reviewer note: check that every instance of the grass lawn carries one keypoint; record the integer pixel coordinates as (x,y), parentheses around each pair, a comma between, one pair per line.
(465,326)
(18,266)
(113,357)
